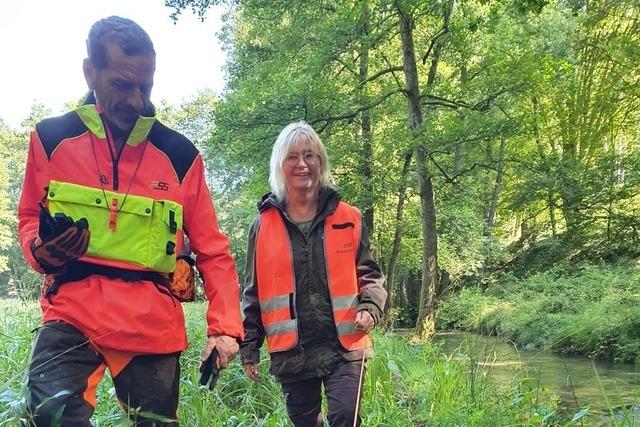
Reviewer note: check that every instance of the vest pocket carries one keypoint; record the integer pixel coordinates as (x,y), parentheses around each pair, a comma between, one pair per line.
(140,233)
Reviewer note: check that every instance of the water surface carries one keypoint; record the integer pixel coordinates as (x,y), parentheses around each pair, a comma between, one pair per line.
(578,381)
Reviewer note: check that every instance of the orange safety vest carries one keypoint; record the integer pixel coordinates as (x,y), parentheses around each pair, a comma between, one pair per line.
(276,278)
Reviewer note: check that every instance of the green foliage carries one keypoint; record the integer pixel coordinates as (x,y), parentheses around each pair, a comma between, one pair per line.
(530,120)
(7,219)
(17,320)
(594,310)
(16,277)
(608,328)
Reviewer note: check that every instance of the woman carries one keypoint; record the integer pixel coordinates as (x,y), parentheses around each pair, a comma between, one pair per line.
(312,288)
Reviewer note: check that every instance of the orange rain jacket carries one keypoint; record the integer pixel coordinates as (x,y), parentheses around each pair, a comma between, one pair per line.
(130,316)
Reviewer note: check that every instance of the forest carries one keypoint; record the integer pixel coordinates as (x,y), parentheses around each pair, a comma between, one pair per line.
(493,147)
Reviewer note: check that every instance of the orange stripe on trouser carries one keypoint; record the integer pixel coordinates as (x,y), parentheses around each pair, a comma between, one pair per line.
(116,360)
(89,394)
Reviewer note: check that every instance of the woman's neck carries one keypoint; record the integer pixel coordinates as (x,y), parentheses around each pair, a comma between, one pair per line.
(302,206)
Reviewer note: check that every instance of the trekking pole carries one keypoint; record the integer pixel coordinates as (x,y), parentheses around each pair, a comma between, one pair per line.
(355,415)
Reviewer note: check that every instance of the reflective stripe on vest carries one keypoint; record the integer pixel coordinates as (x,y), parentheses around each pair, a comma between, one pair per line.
(276,278)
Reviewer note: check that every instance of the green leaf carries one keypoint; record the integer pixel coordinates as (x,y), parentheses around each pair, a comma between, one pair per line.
(580,414)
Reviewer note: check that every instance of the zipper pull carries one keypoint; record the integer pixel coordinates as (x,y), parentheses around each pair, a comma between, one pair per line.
(113,213)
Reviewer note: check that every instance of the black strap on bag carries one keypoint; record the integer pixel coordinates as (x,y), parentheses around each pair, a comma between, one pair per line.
(82,270)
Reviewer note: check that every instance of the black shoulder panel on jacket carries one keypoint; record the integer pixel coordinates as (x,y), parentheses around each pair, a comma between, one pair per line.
(54,130)
(176,146)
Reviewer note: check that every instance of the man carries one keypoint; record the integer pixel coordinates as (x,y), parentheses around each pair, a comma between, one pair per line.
(109,193)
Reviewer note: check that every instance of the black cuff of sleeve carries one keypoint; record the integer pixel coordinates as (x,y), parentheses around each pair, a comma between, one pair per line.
(249,356)
(188,259)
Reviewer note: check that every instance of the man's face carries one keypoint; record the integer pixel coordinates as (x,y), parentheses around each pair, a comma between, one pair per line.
(123,87)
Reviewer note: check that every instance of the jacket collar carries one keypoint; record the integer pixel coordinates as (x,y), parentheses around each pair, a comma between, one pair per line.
(328,200)
(90,114)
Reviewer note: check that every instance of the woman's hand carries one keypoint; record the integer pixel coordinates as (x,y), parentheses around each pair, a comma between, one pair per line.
(364,321)
(251,371)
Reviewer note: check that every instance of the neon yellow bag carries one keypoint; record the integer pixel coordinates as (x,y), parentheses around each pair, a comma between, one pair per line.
(144,231)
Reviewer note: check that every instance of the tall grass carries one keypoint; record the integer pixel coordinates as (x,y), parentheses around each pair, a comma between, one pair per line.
(18,319)
(405,385)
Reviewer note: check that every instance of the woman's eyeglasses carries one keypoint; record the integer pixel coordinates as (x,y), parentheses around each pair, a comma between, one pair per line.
(310,158)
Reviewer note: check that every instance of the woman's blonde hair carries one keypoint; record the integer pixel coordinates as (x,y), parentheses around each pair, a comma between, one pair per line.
(291,135)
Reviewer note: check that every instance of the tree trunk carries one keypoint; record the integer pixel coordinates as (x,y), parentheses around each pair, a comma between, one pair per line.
(425,324)
(570,207)
(458,158)
(401,295)
(365,123)
(496,189)
(552,214)
(413,288)
(546,168)
(397,235)
(367,171)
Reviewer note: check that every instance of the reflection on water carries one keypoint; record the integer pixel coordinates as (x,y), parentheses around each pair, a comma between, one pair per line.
(578,381)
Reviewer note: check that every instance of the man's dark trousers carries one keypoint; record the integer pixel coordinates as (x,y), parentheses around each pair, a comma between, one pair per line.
(65,371)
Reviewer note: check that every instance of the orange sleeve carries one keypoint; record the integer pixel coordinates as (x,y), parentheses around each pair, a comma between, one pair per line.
(35,179)
(213,258)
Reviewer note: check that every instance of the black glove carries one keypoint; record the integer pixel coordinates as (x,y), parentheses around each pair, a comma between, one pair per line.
(60,240)
(51,227)
(210,368)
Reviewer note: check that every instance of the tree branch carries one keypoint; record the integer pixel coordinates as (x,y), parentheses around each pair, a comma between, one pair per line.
(353,114)
(444,30)
(386,60)
(381,73)
(482,105)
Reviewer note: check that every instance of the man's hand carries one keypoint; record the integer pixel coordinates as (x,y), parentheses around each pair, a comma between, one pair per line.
(251,371)
(364,321)
(227,349)
(60,240)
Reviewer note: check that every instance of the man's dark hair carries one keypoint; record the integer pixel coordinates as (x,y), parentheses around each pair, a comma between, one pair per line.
(131,38)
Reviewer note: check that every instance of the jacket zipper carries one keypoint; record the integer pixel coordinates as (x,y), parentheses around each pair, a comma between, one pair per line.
(115,158)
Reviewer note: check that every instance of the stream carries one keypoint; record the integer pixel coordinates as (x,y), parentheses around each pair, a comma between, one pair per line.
(578,381)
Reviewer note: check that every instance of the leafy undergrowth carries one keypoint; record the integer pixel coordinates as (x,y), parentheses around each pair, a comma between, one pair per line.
(593,310)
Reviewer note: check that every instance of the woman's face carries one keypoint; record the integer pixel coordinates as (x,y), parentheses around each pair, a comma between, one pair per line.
(301,166)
